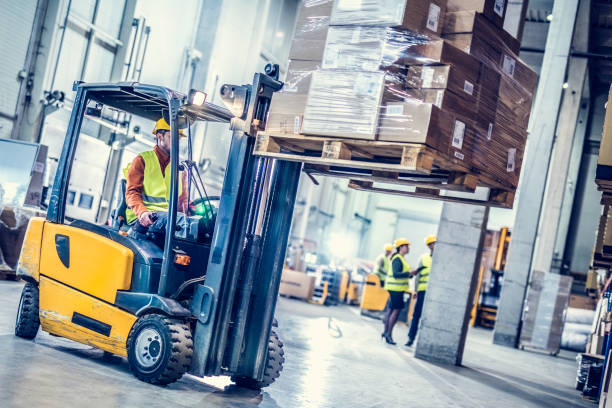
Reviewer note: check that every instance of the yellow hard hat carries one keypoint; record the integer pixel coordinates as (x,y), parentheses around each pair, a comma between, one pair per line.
(161,124)
(431,239)
(388,247)
(401,241)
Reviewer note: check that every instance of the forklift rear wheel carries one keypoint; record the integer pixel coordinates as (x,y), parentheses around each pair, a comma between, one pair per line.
(159,349)
(27,322)
(274,366)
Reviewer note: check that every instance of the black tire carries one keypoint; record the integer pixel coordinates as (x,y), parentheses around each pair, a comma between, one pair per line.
(274,366)
(159,349)
(27,322)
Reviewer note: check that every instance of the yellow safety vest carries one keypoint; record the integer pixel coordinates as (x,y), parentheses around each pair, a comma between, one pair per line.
(386,267)
(155,186)
(395,284)
(424,274)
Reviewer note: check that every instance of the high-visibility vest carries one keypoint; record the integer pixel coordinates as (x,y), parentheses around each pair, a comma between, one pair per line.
(383,271)
(424,274)
(398,284)
(155,186)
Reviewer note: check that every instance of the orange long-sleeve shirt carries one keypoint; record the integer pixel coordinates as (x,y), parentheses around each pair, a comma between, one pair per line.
(135,179)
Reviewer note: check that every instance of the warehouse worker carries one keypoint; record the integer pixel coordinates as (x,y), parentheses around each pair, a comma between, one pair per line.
(396,284)
(421,287)
(383,264)
(148,185)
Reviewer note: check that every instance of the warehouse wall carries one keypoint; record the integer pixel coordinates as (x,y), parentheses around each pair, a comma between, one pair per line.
(587,208)
(17,20)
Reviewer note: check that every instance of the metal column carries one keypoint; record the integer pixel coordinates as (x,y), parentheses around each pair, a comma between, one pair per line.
(535,170)
(545,255)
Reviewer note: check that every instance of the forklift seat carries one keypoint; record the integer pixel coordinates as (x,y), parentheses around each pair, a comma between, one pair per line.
(118,217)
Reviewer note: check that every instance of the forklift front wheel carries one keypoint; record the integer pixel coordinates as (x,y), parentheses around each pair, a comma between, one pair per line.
(27,322)
(159,349)
(274,366)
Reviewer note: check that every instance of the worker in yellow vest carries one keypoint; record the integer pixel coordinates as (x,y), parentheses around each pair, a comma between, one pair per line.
(397,283)
(421,287)
(148,185)
(383,264)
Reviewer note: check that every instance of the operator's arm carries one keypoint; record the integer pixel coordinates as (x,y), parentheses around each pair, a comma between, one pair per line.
(182,201)
(419,269)
(397,267)
(133,191)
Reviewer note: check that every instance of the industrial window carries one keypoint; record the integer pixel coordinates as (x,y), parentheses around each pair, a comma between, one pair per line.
(278,31)
(85,201)
(89,43)
(70,197)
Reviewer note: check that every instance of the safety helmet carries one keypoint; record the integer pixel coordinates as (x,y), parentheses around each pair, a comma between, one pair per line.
(401,241)
(388,247)
(431,239)
(161,124)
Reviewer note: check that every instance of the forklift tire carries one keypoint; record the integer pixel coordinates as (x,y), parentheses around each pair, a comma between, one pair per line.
(27,322)
(274,366)
(159,349)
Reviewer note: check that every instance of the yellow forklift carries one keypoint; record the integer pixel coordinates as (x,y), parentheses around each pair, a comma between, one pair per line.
(201,299)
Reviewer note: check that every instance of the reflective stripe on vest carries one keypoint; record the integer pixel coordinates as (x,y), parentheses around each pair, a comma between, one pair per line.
(155,186)
(386,267)
(401,284)
(424,274)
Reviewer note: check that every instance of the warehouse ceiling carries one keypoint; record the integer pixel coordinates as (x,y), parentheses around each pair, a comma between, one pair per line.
(600,41)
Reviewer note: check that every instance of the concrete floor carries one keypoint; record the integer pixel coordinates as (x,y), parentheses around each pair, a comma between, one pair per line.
(334,358)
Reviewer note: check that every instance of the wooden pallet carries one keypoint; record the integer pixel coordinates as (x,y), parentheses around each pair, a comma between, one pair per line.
(493,197)
(372,155)
(455,181)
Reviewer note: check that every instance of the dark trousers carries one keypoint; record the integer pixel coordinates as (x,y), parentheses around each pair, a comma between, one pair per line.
(416,315)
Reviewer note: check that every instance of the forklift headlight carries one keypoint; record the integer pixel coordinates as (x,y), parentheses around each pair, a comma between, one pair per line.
(197,98)
(181,259)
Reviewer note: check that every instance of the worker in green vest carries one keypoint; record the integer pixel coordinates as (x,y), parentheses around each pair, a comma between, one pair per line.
(383,264)
(148,185)
(421,287)
(397,283)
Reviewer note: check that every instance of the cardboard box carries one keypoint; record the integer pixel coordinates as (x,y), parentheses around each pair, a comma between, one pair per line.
(494,10)
(299,76)
(604,162)
(424,16)
(286,113)
(455,79)
(413,121)
(344,104)
(434,52)
(457,104)
(311,29)
(357,48)
(296,284)
(485,43)
(582,302)
(473,22)
(591,282)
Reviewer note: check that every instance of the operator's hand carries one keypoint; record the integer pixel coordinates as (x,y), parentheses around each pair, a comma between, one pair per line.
(145,219)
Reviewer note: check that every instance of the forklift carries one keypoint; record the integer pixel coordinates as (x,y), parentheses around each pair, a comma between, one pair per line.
(202,299)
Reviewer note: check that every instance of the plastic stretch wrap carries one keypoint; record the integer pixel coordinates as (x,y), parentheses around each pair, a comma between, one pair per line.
(418,15)
(371,78)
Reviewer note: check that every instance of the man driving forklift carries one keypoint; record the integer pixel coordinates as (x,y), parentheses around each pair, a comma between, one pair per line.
(148,186)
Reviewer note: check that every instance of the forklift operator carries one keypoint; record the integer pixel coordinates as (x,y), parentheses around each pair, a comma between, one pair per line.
(148,186)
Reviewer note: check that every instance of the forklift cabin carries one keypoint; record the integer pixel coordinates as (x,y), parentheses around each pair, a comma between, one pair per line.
(203,302)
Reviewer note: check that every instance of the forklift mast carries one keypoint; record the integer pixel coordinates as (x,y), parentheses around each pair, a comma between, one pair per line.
(235,304)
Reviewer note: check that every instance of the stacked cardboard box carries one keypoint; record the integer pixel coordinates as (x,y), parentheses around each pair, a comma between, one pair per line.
(544,312)
(507,86)
(378,70)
